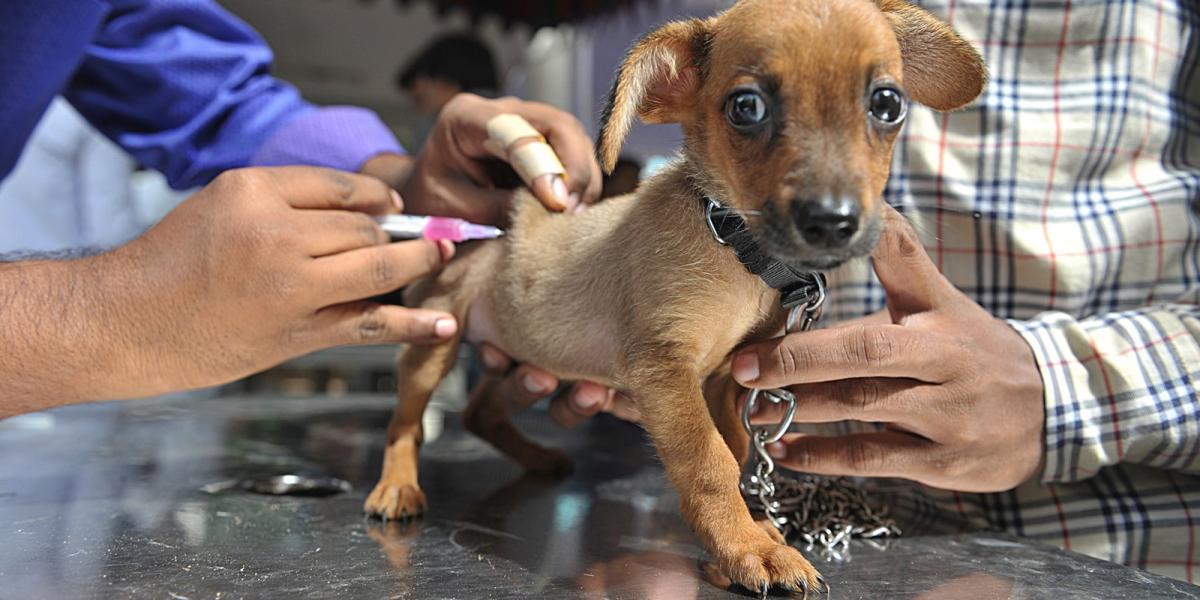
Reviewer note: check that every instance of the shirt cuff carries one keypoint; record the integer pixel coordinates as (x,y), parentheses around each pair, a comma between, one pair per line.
(339,137)
(1074,416)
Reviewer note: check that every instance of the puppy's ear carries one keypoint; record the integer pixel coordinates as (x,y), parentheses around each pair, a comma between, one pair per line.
(941,70)
(656,81)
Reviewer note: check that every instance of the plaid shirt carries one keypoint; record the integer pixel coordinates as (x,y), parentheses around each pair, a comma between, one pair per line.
(1067,200)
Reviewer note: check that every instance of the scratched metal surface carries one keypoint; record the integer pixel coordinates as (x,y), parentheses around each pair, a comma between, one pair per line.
(104,501)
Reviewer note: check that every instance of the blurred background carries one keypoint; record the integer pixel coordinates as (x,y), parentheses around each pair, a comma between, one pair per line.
(560,52)
(401,58)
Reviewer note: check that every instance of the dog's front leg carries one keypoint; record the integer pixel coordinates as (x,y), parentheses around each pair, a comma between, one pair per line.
(398,494)
(703,470)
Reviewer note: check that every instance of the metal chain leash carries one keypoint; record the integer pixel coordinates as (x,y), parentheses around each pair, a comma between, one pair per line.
(820,511)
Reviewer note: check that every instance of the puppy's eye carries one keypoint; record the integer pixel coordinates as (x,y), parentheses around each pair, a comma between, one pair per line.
(887,105)
(746,109)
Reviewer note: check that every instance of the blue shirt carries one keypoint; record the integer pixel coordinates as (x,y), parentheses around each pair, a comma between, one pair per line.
(181,85)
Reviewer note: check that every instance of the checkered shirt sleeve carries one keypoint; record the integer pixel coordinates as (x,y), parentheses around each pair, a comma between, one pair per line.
(1119,388)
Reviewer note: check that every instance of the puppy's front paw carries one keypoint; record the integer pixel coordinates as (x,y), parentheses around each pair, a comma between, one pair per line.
(770,564)
(389,501)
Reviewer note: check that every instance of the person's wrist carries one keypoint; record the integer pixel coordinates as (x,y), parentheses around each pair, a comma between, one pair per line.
(134,340)
(1042,358)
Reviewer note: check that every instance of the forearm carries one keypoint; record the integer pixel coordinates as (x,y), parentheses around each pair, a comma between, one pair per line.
(346,138)
(67,338)
(1119,388)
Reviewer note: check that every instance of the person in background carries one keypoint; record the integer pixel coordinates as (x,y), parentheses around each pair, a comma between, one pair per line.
(448,66)
(265,262)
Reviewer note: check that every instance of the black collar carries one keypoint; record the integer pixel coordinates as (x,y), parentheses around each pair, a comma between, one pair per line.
(728,227)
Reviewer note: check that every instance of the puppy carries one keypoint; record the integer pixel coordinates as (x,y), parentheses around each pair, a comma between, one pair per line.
(789,109)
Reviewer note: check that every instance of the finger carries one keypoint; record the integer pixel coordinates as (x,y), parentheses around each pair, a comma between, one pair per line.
(358,323)
(329,232)
(512,138)
(552,191)
(911,281)
(870,399)
(494,359)
(845,353)
(879,317)
(883,454)
(317,188)
(540,168)
(622,407)
(571,144)
(595,184)
(574,148)
(587,399)
(530,384)
(582,402)
(568,410)
(377,270)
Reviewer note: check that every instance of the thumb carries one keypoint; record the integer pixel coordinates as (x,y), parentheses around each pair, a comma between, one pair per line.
(910,280)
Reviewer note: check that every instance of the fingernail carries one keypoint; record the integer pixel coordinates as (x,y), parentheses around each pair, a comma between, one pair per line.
(446,247)
(445,328)
(777,450)
(745,367)
(559,187)
(588,398)
(491,359)
(536,385)
(579,208)
(397,201)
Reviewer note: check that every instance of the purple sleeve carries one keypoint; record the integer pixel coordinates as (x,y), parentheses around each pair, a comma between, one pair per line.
(340,137)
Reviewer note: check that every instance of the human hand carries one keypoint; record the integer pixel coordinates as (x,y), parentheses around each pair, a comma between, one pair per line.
(455,175)
(527,384)
(264,265)
(959,390)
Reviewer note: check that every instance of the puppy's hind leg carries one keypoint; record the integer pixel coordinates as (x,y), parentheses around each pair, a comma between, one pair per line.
(489,416)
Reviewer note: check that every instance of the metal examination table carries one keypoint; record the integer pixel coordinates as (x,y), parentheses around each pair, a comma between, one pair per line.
(109,501)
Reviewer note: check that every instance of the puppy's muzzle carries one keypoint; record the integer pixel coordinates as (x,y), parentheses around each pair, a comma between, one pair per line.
(827,222)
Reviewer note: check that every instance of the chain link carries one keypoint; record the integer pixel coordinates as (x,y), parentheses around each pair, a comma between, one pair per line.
(824,512)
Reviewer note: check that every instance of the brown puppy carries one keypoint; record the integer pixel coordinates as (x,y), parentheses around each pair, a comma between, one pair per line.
(790,109)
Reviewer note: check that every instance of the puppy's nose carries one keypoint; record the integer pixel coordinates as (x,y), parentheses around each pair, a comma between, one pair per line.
(828,222)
